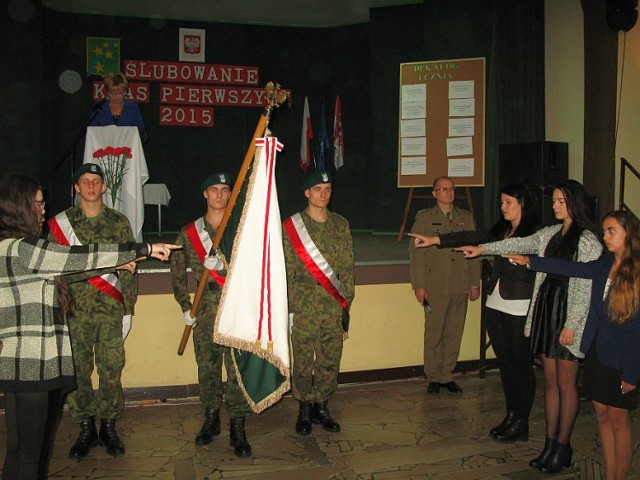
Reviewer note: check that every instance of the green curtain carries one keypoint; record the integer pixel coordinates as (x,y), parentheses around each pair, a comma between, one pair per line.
(515,87)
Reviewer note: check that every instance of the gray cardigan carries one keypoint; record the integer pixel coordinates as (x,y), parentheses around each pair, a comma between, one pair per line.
(35,352)
(579,292)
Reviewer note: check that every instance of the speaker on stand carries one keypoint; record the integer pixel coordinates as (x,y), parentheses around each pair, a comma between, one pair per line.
(540,166)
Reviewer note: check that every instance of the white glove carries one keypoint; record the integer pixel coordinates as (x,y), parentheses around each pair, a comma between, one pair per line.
(213,262)
(188,319)
(126,325)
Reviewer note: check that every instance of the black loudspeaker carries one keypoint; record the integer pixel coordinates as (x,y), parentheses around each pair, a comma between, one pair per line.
(544,206)
(539,164)
(622,14)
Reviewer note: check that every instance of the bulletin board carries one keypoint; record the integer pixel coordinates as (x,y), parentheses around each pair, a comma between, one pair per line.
(441,122)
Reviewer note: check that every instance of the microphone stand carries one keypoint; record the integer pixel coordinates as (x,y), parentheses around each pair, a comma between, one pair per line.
(71,151)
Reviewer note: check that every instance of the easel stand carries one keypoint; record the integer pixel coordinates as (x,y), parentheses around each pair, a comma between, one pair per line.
(428,196)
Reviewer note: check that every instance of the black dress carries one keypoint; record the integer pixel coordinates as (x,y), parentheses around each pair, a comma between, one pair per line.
(550,310)
(602,384)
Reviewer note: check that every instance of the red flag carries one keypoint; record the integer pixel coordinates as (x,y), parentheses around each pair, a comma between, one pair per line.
(307,136)
(338,141)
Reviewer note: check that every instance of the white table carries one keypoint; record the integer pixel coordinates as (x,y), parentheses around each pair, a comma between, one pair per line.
(157,194)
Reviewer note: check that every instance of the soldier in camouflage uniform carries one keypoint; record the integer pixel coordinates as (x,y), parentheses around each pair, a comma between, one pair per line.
(100,316)
(197,241)
(318,309)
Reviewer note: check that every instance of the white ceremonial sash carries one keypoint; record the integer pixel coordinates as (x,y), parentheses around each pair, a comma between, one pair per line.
(312,257)
(202,245)
(63,232)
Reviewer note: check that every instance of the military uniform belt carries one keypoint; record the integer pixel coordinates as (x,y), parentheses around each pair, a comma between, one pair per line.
(307,281)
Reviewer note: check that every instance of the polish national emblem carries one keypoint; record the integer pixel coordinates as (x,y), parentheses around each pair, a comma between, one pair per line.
(223,178)
(192,44)
(325,177)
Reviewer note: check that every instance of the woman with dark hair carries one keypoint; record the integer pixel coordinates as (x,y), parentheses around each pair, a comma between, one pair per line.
(35,353)
(507,304)
(557,315)
(611,335)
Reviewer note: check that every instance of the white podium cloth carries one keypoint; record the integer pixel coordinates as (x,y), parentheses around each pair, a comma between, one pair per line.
(157,194)
(130,199)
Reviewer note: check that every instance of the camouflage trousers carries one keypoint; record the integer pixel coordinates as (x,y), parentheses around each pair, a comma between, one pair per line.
(97,336)
(209,357)
(317,351)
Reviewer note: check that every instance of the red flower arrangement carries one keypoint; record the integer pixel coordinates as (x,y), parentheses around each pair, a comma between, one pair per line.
(112,160)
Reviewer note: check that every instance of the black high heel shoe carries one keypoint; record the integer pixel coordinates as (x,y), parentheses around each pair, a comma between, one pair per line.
(508,419)
(515,431)
(549,446)
(560,457)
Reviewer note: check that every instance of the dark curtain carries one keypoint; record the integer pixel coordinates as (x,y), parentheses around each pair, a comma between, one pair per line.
(515,93)
(600,89)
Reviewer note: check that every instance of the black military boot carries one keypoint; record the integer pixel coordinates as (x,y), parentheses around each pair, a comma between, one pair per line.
(303,424)
(320,415)
(109,438)
(210,427)
(238,439)
(88,438)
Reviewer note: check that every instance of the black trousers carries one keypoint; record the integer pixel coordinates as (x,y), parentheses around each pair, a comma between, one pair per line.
(515,359)
(31,418)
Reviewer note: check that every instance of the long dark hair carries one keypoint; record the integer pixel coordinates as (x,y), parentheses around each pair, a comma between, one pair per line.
(576,200)
(18,215)
(529,219)
(624,294)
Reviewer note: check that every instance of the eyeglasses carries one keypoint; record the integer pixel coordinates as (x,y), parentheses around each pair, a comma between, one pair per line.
(116,93)
(40,203)
(445,189)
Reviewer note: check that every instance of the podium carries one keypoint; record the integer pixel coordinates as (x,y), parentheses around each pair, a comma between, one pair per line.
(107,146)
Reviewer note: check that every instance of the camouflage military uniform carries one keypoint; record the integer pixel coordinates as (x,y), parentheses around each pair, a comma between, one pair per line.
(317,334)
(209,355)
(95,322)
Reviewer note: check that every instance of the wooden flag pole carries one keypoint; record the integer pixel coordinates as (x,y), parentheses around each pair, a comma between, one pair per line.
(275,97)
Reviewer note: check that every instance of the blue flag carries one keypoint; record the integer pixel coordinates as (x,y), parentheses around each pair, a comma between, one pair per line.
(323,140)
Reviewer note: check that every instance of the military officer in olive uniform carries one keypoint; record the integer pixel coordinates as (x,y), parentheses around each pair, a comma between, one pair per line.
(446,280)
(101,312)
(319,241)
(197,238)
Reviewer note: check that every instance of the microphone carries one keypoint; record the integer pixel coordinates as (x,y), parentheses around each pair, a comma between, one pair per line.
(99,105)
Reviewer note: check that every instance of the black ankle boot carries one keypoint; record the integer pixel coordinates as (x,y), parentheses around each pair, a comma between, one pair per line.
(303,424)
(238,438)
(518,429)
(320,415)
(549,446)
(109,438)
(88,438)
(510,417)
(560,457)
(210,427)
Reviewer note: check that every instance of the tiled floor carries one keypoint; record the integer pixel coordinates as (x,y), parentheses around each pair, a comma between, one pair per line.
(390,430)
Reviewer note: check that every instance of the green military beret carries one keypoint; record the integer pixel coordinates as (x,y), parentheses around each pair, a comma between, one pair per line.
(315,178)
(93,168)
(215,179)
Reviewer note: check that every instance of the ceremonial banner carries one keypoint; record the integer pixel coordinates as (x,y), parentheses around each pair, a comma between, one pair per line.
(324,140)
(252,316)
(307,136)
(118,151)
(338,141)
(103,55)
